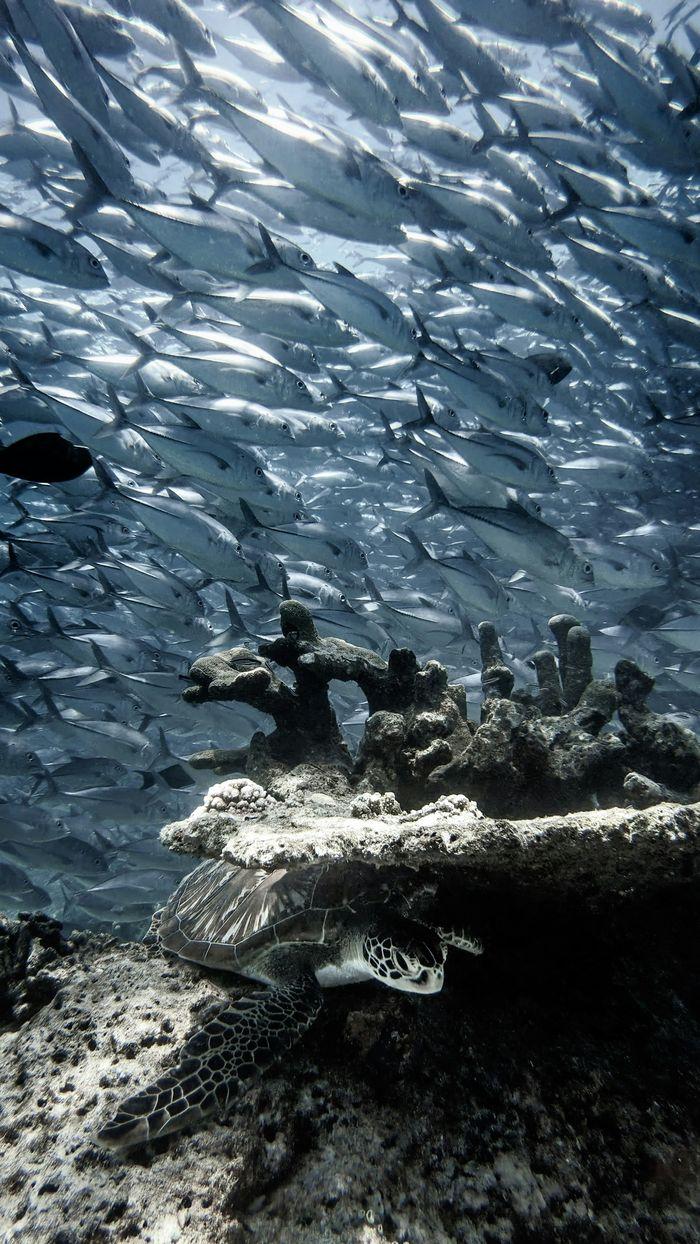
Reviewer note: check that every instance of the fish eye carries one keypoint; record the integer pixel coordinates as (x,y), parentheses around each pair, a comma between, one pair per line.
(15,626)
(285,427)
(259,472)
(656,567)
(443,92)
(343,599)
(298,516)
(299,495)
(300,384)
(587,568)
(545,416)
(306,259)
(415,334)
(451,412)
(551,472)
(333,427)
(29,756)
(396,101)
(363,558)
(402,190)
(94,261)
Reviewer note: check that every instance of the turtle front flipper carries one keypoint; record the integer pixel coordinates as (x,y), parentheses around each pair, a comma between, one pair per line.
(239,1042)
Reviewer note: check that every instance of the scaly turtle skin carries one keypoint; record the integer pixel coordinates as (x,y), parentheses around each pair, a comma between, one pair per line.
(297,931)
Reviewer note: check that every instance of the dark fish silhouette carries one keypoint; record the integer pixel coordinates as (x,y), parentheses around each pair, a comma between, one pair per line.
(45,458)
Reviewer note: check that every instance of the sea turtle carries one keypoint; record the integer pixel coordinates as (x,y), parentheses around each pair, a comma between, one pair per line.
(298,931)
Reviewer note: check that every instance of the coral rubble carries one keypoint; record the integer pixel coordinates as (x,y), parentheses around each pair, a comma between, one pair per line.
(534,752)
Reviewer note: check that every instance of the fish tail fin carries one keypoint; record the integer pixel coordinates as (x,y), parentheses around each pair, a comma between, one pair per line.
(373,590)
(252,520)
(97,193)
(20,376)
(104,582)
(13,562)
(438,500)
(340,389)
(146,351)
(118,409)
(262,584)
(29,714)
(272,260)
(234,614)
(490,131)
(52,709)
(426,416)
(193,78)
(105,479)
(422,554)
(571,205)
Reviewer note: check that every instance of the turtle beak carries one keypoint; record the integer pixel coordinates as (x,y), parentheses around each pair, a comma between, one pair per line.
(430,980)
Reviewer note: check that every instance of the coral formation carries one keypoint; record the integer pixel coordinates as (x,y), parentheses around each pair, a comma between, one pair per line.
(610,850)
(534,752)
(238,797)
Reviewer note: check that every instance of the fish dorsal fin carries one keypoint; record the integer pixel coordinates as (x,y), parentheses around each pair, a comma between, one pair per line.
(339,267)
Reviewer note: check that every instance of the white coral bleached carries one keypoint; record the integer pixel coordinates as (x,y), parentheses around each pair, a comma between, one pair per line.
(238,797)
(446,803)
(375,803)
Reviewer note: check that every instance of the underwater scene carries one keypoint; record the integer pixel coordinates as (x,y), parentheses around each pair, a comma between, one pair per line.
(350,617)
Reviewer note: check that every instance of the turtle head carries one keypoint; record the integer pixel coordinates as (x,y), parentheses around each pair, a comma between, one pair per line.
(405,956)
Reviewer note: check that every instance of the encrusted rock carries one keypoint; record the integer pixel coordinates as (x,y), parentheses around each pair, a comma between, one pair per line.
(375,804)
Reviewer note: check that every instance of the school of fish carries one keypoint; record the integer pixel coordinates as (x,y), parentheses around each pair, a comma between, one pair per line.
(390,309)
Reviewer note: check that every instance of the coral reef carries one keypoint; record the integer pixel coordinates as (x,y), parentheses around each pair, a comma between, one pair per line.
(535,751)
(610,850)
(549,1093)
(30,947)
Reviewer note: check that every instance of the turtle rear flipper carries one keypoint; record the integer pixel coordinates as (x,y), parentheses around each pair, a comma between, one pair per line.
(239,1042)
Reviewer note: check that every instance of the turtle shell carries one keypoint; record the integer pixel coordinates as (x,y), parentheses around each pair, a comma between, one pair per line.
(225,917)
